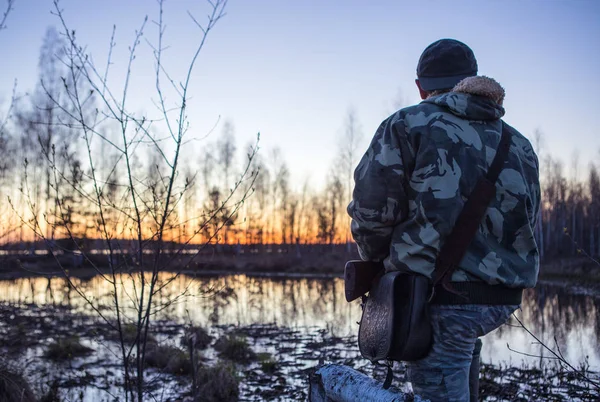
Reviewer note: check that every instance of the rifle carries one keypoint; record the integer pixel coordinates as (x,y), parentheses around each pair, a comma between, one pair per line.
(358,277)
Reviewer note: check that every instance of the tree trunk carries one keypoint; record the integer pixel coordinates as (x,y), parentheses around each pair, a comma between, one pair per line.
(540,233)
(592,242)
(573,233)
(344,384)
(598,237)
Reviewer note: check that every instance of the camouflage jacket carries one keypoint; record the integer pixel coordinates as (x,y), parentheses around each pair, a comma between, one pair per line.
(421,166)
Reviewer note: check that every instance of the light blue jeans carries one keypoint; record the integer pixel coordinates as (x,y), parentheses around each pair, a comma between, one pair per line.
(443,376)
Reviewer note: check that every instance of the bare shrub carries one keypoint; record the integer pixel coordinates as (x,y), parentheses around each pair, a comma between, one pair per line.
(115,182)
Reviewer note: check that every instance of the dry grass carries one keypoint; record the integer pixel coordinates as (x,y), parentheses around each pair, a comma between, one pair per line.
(267,363)
(217,384)
(235,348)
(196,337)
(169,359)
(14,387)
(66,349)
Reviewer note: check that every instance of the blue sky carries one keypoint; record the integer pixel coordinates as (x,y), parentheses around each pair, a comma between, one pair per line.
(291,69)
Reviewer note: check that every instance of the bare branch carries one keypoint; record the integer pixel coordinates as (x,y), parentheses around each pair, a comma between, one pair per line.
(9,8)
(556,355)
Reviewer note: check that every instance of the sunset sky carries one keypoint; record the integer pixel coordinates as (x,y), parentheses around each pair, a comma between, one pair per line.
(292,69)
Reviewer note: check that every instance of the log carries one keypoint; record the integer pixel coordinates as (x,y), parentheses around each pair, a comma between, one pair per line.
(337,383)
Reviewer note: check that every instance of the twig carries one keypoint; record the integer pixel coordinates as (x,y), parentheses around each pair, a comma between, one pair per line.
(580,250)
(557,356)
(9,8)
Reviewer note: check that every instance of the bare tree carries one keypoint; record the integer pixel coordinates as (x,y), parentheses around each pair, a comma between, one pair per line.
(574,196)
(328,208)
(568,216)
(348,158)
(539,229)
(257,226)
(335,197)
(302,231)
(400,100)
(225,158)
(282,177)
(141,208)
(279,174)
(322,219)
(594,211)
(8,161)
(46,132)
(226,152)
(8,225)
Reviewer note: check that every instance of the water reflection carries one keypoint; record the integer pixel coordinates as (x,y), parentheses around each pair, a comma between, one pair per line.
(316,304)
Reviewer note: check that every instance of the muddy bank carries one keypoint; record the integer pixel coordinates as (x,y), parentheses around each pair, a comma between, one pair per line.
(309,260)
(577,276)
(275,365)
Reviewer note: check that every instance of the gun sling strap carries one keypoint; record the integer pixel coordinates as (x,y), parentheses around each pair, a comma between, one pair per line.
(456,244)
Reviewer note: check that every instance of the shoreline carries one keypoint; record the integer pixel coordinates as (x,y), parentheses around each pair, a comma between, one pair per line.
(576,274)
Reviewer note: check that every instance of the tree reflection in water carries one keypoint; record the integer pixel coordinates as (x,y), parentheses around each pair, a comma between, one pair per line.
(310,305)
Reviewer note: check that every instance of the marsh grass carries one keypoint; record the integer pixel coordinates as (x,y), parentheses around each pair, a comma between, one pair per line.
(66,349)
(196,337)
(17,336)
(218,383)
(169,359)
(267,363)
(235,348)
(551,382)
(130,334)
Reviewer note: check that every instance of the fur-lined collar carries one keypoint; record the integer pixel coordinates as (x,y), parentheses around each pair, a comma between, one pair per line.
(482,86)
(474,98)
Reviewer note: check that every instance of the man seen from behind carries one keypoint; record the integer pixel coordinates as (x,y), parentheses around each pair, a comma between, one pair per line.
(410,187)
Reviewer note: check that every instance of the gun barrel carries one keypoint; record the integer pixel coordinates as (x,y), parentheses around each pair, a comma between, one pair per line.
(358,277)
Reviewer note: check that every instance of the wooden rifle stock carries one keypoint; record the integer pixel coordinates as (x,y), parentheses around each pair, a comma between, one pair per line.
(358,277)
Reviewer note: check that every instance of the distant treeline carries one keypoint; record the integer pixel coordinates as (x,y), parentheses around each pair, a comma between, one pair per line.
(60,178)
(570,215)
